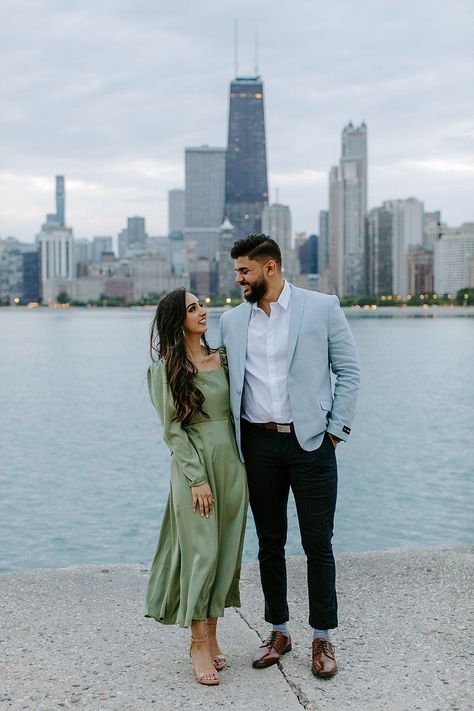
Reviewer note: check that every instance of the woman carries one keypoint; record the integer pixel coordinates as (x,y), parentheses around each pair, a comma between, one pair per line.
(195,573)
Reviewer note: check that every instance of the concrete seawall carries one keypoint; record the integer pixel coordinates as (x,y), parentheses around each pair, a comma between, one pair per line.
(76,638)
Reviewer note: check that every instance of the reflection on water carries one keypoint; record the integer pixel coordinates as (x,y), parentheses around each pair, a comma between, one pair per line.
(84,473)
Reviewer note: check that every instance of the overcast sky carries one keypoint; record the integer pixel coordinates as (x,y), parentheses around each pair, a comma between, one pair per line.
(109,92)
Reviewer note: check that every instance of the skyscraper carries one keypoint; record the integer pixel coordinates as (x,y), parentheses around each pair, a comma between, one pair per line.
(11,270)
(177,252)
(57,249)
(176,210)
(420,261)
(226,273)
(323,252)
(276,222)
(432,227)
(354,181)
(176,222)
(407,232)
(335,282)
(246,185)
(323,242)
(204,197)
(100,245)
(203,214)
(347,213)
(59,217)
(453,257)
(133,238)
(392,231)
(60,200)
(58,267)
(379,250)
(308,255)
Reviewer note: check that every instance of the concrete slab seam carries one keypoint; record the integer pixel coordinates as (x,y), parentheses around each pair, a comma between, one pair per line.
(302,699)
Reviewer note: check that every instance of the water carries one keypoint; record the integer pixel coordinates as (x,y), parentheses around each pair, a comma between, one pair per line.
(84,473)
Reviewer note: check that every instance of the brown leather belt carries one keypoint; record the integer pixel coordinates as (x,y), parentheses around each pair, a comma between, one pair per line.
(286,428)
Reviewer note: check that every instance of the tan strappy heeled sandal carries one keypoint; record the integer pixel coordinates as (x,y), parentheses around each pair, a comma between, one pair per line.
(219,660)
(208,678)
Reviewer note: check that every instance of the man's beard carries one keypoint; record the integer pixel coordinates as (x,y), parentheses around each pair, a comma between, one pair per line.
(257,291)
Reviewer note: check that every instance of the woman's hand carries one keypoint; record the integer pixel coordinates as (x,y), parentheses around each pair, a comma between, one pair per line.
(202,497)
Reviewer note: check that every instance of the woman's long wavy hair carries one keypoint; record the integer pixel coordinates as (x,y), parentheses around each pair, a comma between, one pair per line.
(167,343)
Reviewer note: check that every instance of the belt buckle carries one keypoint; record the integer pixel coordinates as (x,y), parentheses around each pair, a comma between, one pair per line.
(283,428)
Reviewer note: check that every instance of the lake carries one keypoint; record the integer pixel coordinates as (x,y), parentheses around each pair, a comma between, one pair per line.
(84,473)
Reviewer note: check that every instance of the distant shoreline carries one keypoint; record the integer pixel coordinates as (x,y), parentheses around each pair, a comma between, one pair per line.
(409,312)
(350,311)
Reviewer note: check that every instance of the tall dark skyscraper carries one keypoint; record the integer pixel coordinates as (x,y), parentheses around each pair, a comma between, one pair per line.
(246,187)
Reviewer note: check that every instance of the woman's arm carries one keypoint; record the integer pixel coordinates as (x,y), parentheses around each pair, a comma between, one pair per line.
(174,435)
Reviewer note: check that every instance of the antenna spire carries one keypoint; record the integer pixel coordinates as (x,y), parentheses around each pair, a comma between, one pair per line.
(256,50)
(236,53)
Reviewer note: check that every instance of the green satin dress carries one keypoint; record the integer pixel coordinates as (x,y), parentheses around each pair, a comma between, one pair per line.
(196,569)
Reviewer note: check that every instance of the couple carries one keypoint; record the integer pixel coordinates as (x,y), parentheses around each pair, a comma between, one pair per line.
(275,357)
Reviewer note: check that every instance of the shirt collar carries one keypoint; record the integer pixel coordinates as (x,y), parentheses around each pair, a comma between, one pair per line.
(283,299)
(285,296)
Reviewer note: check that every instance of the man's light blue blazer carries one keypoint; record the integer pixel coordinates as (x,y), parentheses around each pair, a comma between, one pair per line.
(319,341)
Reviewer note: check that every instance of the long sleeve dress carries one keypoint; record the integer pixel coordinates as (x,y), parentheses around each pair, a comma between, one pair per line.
(196,570)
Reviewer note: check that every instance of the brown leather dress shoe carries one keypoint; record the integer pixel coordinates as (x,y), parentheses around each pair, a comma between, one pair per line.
(324,661)
(271,650)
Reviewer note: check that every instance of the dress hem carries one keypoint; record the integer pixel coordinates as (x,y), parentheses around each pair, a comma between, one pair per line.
(173,620)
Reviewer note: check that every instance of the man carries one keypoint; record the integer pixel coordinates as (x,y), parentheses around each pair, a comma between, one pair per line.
(282,344)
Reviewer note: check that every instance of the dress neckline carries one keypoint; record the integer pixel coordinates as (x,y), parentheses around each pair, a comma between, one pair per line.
(221,366)
(214,370)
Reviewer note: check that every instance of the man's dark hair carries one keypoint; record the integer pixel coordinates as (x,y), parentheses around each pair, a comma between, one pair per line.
(258,247)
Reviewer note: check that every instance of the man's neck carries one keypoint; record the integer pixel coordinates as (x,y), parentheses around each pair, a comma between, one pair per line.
(272,295)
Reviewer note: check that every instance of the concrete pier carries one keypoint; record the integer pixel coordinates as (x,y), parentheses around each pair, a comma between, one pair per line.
(76,638)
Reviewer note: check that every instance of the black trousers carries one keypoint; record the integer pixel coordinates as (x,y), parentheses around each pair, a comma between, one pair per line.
(274,462)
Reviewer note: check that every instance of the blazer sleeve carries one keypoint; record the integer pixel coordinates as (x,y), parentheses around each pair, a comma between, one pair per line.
(345,366)
(175,436)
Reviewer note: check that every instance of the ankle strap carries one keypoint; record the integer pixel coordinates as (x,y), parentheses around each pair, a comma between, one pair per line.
(198,641)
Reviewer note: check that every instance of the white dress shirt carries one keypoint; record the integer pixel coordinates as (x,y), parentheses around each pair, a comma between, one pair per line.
(265,397)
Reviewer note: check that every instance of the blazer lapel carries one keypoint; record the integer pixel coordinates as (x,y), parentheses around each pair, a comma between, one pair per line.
(241,333)
(296,312)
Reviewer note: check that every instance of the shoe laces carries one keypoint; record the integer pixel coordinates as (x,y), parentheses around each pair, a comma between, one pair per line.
(270,642)
(322,646)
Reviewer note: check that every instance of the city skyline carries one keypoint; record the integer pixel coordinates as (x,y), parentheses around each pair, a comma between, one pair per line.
(116,123)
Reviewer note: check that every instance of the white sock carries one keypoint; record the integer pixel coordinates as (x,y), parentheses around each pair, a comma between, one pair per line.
(322,634)
(281,628)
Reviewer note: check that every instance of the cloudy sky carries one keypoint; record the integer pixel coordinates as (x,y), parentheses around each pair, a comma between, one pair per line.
(108,93)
